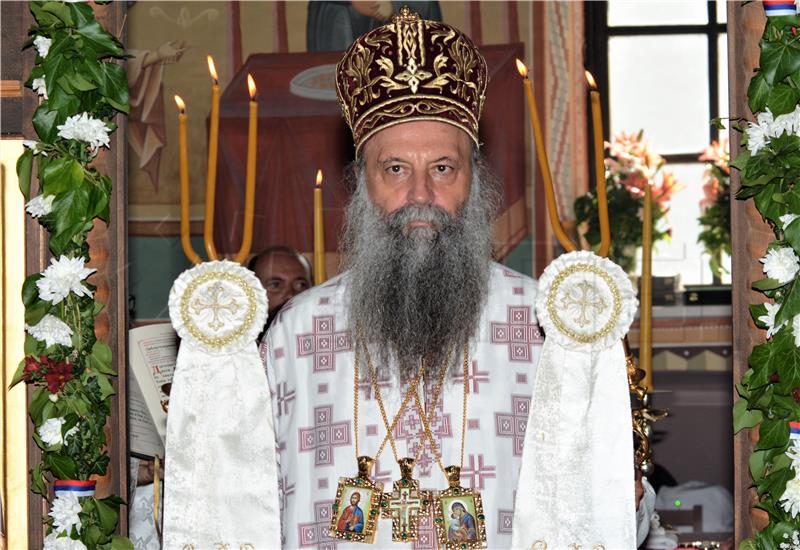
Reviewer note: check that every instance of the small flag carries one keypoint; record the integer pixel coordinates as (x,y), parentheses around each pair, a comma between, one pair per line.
(76,487)
(794,430)
(779,7)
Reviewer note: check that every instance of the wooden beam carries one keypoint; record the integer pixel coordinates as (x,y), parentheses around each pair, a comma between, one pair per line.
(750,236)
(109,256)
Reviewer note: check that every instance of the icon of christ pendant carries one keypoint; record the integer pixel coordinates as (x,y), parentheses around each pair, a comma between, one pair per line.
(357,505)
(406,504)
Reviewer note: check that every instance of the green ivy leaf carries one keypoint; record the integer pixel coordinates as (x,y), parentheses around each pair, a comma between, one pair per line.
(790,306)
(59,10)
(61,175)
(743,418)
(775,483)
(756,465)
(30,292)
(756,311)
(779,60)
(39,399)
(107,516)
(35,312)
(45,121)
(121,543)
(757,93)
(32,345)
(106,389)
(63,467)
(740,162)
(24,169)
(773,433)
(767,284)
(100,40)
(38,484)
(19,374)
(782,99)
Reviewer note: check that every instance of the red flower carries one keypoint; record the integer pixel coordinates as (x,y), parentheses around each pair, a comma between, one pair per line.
(31,368)
(57,375)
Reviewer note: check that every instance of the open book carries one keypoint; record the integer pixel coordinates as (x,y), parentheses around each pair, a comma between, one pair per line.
(151,363)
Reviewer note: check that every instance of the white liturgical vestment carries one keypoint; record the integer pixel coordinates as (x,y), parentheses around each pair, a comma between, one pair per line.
(309,358)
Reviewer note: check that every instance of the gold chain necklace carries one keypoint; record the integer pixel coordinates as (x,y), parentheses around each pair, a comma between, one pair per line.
(406,504)
(358,521)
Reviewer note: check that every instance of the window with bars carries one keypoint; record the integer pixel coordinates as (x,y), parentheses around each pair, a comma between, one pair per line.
(662,67)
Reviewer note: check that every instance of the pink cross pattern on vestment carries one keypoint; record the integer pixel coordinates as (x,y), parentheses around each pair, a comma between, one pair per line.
(519,333)
(474,474)
(324,342)
(474,378)
(382,381)
(324,435)
(505,521)
(505,518)
(513,424)
(316,533)
(286,491)
(426,534)
(284,398)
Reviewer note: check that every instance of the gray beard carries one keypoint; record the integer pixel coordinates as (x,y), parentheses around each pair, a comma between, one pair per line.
(418,294)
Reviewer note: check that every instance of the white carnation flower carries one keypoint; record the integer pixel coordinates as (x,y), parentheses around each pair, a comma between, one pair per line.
(796,330)
(51,330)
(40,87)
(783,124)
(40,205)
(65,512)
(42,44)
(790,500)
(793,452)
(85,128)
(63,276)
(50,431)
(786,219)
(54,542)
(769,319)
(33,145)
(781,264)
(792,543)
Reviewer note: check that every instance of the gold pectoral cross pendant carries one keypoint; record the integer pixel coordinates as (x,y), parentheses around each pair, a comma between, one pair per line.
(357,505)
(458,515)
(406,504)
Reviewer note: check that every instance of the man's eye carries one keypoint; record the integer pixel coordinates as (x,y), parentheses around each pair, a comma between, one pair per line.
(274,285)
(394,169)
(443,168)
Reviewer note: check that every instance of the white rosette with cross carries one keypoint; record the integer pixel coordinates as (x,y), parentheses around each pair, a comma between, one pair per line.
(221,483)
(576,484)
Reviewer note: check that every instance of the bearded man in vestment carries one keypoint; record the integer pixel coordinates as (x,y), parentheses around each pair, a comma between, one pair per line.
(420,298)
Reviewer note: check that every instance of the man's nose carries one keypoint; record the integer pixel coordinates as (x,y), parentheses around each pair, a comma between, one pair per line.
(421,190)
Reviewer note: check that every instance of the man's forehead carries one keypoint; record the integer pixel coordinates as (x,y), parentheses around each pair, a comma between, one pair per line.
(430,140)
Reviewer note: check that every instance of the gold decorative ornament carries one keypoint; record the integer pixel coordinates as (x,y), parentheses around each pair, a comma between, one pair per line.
(588,299)
(192,302)
(357,505)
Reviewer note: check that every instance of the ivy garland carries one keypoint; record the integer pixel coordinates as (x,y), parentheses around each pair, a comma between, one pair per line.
(82,89)
(770,389)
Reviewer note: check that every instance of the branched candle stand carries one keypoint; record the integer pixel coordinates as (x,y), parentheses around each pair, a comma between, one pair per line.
(639,377)
(250,183)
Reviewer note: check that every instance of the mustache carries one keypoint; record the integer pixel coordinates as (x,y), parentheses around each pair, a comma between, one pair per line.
(436,217)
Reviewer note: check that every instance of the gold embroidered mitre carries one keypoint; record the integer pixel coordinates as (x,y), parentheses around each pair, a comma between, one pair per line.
(411,69)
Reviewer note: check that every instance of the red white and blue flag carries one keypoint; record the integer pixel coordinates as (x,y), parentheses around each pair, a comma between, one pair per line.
(76,487)
(794,430)
(780,7)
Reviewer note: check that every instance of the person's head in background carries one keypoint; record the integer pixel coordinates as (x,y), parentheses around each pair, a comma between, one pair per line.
(284,272)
